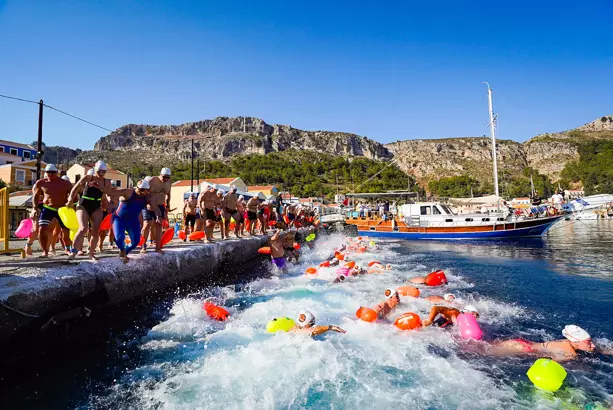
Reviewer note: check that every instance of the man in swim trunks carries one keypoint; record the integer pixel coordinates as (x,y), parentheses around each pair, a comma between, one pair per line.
(230,211)
(277,252)
(288,244)
(209,202)
(443,317)
(576,339)
(392,300)
(291,214)
(189,212)
(241,207)
(160,191)
(252,213)
(306,324)
(51,193)
(218,214)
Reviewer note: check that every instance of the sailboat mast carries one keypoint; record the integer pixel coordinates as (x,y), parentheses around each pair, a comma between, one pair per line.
(493,133)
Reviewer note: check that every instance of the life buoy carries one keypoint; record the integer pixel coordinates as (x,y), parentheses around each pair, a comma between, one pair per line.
(215,312)
(408,321)
(436,278)
(265,250)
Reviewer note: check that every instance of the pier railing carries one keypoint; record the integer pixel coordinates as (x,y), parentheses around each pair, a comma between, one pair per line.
(4,224)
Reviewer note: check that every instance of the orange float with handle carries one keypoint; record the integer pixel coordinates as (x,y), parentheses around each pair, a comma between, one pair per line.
(408,321)
(196,236)
(296,246)
(366,314)
(373,263)
(339,256)
(142,240)
(182,235)
(265,250)
(408,291)
(167,236)
(325,264)
(215,312)
(311,271)
(350,265)
(105,225)
(436,278)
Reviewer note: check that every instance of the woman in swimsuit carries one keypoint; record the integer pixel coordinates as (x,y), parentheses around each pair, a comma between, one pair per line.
(89,207)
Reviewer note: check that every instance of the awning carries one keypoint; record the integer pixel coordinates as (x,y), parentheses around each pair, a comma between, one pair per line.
(481,200)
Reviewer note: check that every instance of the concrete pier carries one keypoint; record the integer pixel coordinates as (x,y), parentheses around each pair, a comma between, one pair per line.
(58,289)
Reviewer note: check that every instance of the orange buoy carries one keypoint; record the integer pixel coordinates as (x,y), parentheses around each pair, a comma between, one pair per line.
(408,321)
(350,265)
(359,238)
(232,226)
(215,312)
(264,250)
(105,225)
(182,235)
(436,278)
(286,219)
(296,245)
(408,291)
(142,240)
(339,256)
(311,271)
(195,236)
(366,314)
(373,263)
(361,249)
(272,223)
(167,236)
(325,264)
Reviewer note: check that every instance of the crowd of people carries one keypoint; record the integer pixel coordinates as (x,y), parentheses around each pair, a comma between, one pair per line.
(142,212)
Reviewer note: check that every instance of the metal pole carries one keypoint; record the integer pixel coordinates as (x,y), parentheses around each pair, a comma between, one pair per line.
(191,189)
(39,147)
(493,133)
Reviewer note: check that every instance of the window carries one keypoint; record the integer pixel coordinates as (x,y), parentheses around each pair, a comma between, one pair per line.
(435,210)
(13,151)
(77,178)
(26,155)
(425,210)
(20,176)
(9,162)
(1,149)
(118,183)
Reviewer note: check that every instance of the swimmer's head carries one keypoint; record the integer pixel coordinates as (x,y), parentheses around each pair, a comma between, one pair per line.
(342,277)
(220,192)
(391,293)
(471,309)
(306,319)
(143,185)
(241,197)
(66,178)
(388,267)
(233,188)
(357,268)
(449,297)
(165,173)
(579,338)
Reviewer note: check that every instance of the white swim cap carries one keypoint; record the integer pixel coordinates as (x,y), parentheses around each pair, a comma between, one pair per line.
(390,293)
(305,318)
(147,179)
(357,267)
(388,267)
(575,334)
(221,191)
(100,166)
(143,184)
(470,308)
(66,178)
(449,297)
(165,171)
(233,188)
(241,197)
(50,168)
(91,172)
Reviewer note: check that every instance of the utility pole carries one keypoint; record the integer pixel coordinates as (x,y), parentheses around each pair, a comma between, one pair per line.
(198,174)
(39,147)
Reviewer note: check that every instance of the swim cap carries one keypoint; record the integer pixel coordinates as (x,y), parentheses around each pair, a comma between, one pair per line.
(147,179)
(100,166)
(388,267)
(50,168)
(575,334)
(241,197)
(305,318)
(342,277)
(470,308)
(357,267)
(91,172)
(66,178)
(221,192)
(165,171)
(390,293)
(449,297)
(233,188)
(143,184)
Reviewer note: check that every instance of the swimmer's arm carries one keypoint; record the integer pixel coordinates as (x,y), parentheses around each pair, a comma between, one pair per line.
(276,235)
(318,330)
(433,313)
(605,350)
(126,192)
(168,197)
(76,188)
(36,194)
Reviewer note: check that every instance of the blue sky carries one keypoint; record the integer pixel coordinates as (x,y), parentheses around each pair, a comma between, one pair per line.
(386,70)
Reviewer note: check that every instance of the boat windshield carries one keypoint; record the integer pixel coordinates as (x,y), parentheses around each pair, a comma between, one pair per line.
(446,209)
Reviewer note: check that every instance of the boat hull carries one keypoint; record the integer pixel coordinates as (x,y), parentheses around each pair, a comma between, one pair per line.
(521,229)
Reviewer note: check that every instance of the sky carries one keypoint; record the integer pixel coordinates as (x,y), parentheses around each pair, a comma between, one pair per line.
(386,70)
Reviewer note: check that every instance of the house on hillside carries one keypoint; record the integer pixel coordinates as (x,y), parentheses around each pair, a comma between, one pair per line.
(78,171)
(23,151)
(21,174)
(267,190)
(226,183)
(180,190)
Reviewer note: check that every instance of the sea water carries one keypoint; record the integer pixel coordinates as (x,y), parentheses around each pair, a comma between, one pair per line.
(527,288)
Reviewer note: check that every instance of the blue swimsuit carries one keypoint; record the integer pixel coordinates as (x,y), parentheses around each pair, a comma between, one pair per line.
(125,219)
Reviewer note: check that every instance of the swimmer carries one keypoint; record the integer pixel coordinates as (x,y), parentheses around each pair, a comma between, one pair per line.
(288,244)
(576,339)
(208,202)
(447,298)
(306,324)
(252,213)
(241,208)
(385,308)
(277,252)
(443,317)
(230,211)
(357,270)
(160,193)
(379,268)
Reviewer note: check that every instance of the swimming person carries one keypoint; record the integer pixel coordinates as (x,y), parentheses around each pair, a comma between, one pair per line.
(576,340)
(277,252)
(306,324)
(125,218)
(392,300)
(447,298)
(442,316)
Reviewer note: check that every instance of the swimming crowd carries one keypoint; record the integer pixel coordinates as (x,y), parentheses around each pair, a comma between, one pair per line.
(444,314)
(142,212)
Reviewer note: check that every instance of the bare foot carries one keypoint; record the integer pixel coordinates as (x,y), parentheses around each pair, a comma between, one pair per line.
(207,241)
(80,253)
(71,256)
(44,255)
(143,250)
(125,259)
(92,257)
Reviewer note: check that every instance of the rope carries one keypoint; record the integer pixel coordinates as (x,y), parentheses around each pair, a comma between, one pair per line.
(77,118)
(18,311)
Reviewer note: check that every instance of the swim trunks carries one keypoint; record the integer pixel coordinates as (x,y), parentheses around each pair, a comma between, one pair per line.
(47,214)
(252,216)
(442,322)
(279,262)
(150,215)
(291,217)
(209,215)
(190,220)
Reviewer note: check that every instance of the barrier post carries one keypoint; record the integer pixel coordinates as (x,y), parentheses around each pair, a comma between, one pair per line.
(4,224)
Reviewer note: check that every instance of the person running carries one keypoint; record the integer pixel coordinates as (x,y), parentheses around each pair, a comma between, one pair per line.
(277,252)
(252,214)
(208,202)
(230,211)
(576,340)
(442,316)
(389,304)
(89,208)
(51,193)
(262,217)
(160,190)
(189,212)
(305,323)
(125,218)
(241,208)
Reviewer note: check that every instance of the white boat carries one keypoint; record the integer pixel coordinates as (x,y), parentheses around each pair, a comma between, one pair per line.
(589,207)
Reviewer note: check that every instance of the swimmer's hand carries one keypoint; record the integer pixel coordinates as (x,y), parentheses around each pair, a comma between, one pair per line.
(337,329)
(426,323)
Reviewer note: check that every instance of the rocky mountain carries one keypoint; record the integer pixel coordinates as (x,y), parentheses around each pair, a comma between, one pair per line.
(426,159)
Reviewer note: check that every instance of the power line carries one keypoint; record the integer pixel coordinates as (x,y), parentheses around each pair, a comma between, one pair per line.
(18,99)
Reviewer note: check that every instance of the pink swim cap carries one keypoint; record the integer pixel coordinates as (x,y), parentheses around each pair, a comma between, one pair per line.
(342,271)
